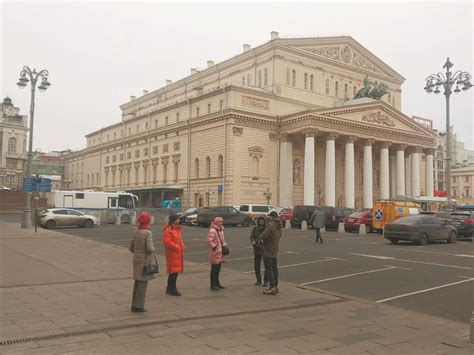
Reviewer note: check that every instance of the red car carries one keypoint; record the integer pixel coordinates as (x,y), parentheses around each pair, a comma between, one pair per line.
(353,221)
(286,214)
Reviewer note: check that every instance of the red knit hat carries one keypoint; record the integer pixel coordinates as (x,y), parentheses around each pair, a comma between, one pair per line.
(143,219)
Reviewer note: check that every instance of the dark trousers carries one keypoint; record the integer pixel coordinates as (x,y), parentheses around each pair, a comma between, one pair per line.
(318,234)
(172,282)
(271,270)
(139,294)
(215,271)
(257,262)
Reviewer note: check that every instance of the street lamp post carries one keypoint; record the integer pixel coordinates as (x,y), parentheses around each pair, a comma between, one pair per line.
(447,81)
(27,75)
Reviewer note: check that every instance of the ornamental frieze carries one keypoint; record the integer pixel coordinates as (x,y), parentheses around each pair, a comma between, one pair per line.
(378,118)
(253,102)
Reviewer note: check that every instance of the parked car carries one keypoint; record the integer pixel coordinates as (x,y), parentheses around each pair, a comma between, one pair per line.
(230,215)
(286,214)
(302,213)
(335,215)
(4,188)
(354,220)
(182,215)
(256,211)
(419,228)
(65,217)
(192,219)
(462,221)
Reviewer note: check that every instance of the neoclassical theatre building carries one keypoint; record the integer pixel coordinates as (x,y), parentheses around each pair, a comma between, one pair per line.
(277,118)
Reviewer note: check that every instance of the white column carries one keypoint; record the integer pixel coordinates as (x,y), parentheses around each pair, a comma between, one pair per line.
(349,193)
(408,174)
(308,186)
(367,183)
(415,173)
(330,171)
(384,173)
(393,175)
(286,171)
(401,171)
(429,188)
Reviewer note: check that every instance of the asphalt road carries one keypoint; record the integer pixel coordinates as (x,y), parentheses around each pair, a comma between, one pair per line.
(434,279)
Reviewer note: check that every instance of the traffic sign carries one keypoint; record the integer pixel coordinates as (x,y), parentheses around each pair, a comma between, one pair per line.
(35,184)
(219,188)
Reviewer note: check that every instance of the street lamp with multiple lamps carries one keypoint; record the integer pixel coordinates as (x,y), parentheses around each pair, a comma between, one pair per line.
(27,75)
(447,81)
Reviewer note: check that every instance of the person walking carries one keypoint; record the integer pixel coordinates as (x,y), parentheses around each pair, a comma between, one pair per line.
(318,221)
(215,241)
(141,245)
(174,251)
(257,244)
(271,244)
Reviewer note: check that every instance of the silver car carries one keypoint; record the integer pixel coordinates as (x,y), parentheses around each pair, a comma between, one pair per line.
(65,217)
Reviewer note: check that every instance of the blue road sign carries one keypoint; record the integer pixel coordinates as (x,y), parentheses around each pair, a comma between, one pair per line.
(35,184)
(219,188)
(378,214)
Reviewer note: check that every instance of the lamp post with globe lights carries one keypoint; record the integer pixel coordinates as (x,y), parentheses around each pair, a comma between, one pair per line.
(31,76)
(447,81)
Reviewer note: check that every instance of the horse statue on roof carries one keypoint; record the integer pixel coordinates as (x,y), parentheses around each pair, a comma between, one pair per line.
(372,90)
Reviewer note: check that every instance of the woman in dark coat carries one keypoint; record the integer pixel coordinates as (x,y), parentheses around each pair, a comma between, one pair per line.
(174,251)
(257,244)
(141,245)
(215,241)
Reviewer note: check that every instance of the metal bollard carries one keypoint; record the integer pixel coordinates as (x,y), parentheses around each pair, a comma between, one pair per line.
(287,224)
(133,218)
(362,229)
(341,228)
(118,220)
(304,226)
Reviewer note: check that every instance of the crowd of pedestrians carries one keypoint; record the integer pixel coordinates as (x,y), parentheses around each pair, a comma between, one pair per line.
(265,239)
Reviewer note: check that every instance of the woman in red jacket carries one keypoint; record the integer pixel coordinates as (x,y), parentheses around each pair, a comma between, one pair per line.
(174,251)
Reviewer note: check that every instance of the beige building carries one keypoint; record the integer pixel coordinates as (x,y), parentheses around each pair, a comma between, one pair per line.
(462,184)
(13,154)
(278,116)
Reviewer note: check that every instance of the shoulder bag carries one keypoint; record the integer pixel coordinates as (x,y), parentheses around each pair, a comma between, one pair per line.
(149,269)
(225,248)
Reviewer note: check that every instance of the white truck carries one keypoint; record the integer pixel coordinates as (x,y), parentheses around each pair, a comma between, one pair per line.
(118,204)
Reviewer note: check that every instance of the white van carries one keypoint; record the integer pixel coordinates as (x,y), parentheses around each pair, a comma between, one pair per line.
(256,211)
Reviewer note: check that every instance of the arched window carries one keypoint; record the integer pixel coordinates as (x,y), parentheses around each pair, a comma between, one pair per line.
(327,86)
(306,81)
(196,168)
(311,82)
(208,167)
(287,76)
(220,165)
(248,79)
(12,145)
(346,91)
(265,77)
(293,77)
(259,78)
(255,167)
(336,89)
(243,80)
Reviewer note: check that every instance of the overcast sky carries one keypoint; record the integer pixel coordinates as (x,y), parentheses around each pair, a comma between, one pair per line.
(100,53)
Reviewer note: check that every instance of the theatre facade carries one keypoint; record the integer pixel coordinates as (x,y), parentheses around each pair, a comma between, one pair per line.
(280,119)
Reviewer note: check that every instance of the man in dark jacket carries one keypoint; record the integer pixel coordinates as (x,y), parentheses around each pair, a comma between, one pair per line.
(271,244)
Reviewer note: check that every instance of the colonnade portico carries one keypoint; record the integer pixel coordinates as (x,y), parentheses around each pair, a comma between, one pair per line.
(406,169)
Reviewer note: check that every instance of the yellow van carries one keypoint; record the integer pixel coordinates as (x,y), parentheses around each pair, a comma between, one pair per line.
(387,211)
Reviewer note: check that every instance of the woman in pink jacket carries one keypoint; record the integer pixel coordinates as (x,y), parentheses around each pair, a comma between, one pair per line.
(215,240)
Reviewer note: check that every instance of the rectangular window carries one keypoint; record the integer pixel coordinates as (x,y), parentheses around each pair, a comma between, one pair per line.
(137,153)
(155,149)
(129,155)
(145,152)
(114,158)
(176,146)
(80,195)
(208,108)
(107,159)
(121,156)
(165,148)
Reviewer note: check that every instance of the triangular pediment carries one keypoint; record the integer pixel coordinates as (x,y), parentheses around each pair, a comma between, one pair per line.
(377,114)
(346,51)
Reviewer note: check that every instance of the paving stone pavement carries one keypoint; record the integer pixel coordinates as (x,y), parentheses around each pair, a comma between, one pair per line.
(61,294)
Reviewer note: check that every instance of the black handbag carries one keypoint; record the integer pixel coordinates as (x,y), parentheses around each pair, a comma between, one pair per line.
(150,269)
(225,248)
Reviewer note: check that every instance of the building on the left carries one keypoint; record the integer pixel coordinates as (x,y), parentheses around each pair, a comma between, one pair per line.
(13,136)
